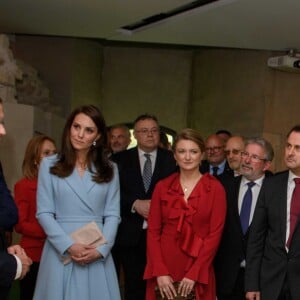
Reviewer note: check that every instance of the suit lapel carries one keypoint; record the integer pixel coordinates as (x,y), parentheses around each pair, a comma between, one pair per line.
(281,192)
(157,167)
(81,185)
(136,169)
(236,190)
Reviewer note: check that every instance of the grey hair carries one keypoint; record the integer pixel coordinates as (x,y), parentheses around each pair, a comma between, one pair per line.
(122,126)
(264,144)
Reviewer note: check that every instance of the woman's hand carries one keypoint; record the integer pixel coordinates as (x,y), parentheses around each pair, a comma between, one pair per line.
(166,288)
(83,254)
(186,286)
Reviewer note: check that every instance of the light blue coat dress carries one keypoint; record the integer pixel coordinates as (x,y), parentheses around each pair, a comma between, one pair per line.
(64,205)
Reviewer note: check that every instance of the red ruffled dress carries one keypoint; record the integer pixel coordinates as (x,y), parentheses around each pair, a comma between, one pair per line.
(183,237)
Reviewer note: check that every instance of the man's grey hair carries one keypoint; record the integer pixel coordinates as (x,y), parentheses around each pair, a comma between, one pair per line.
(122,126)
(264,144)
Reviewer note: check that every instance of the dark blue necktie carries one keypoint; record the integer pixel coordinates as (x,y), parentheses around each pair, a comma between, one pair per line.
(246,207)
(215,171)
(147,172)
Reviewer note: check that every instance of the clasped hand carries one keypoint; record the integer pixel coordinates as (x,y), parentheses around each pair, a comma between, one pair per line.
(166,287)
(84,254)
(142,207)
(21,254)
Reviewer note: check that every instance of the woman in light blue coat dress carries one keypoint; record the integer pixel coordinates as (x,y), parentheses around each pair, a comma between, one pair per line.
(78,186)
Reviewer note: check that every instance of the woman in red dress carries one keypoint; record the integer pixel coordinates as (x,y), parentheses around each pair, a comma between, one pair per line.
(185,224)
(32,234)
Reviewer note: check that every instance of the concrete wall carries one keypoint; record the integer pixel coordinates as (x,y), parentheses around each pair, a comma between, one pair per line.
(204,88)
(86,73)
(21,123)
(138,80)
(71,68)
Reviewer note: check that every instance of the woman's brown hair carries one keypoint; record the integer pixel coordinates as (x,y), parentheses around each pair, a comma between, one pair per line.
(97,154)
(33,154)
(191,135)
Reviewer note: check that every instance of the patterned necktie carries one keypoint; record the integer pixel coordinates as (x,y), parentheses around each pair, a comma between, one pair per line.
(147,172)
(215,171)
(246,207)
(295,210)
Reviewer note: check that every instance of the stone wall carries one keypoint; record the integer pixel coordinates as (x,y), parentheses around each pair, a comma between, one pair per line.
(9,71)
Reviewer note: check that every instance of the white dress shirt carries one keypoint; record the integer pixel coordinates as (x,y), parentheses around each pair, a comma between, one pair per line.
(255,192)
(143,159)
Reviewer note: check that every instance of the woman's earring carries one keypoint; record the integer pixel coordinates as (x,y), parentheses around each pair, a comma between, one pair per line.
(94,143)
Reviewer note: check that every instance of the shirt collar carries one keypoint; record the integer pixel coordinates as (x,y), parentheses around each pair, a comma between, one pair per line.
(141,153)
(291,176)
(221,166)
(258,181)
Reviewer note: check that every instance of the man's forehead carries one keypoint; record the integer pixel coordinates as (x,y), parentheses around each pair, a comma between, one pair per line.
(118,131)
(146,123)
(254,148)
(214,141)
(294,138)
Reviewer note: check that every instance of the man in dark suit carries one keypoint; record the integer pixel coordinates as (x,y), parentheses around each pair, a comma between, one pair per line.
(215,163)
(8,209)
(14,263)
(231,257)
(136,198)
(273,260)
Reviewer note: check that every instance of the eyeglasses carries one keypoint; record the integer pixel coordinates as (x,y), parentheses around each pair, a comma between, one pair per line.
(213,149)
(146,131)
(253,157)
(233,151)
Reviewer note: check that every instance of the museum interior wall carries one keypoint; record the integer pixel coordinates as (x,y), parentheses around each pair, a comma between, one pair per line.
(203,88)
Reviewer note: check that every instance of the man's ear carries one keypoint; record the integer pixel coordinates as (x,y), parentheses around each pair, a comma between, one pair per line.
(267,165)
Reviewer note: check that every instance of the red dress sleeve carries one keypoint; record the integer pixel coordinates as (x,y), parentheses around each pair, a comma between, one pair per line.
(155,264)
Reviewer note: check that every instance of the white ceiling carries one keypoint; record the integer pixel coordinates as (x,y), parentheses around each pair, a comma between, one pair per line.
(250,24)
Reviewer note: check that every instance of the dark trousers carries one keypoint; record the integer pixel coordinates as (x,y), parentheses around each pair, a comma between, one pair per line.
(133,260)
(238,293)
(4,293)
(27,284)
(285,291)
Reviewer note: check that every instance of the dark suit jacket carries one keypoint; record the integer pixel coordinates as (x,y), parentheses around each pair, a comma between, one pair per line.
(268,262)
(8,209)
(8,267)
(233,246)
(204,168)
(132,188)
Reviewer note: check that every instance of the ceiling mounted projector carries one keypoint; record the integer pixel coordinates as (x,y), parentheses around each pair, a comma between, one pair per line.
(287,63)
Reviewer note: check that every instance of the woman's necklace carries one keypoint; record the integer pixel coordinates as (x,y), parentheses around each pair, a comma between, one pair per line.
(188,186)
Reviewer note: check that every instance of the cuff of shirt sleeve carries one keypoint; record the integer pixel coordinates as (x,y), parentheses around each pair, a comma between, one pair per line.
(132,207)
(19,267)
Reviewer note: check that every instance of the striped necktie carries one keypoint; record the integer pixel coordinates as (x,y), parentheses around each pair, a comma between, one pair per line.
(147,172)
